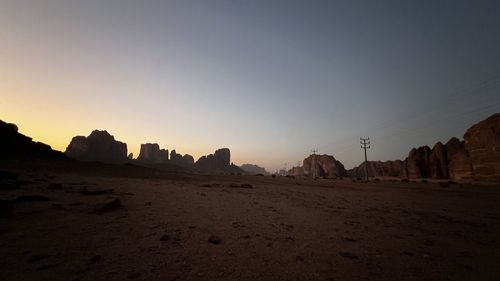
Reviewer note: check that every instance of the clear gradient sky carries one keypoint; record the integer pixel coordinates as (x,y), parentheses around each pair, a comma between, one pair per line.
(269,79)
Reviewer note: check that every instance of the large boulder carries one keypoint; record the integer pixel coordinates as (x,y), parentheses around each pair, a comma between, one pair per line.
(14,145)
(323,166)
(151,153)
(482,141)
(98,146)
(459,165)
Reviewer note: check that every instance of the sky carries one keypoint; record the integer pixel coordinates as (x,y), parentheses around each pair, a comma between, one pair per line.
(271,80)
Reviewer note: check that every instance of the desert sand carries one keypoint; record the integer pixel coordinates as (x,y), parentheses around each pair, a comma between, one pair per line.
(131,223)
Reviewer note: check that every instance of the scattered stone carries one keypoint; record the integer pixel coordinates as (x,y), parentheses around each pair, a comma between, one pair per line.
(9,185)
(165,237)
(348,255)
(94,259)
(32,198)
(134,275)
(246,185)
(55,186)
(148,203)
(6,208)
(111,205)
(36,258)
(444,184)
(299,258)
(87,191)
(350,239)
(4,175)
(214,239)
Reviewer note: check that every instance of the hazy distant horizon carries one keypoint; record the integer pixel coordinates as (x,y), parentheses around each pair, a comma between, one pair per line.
(270,80)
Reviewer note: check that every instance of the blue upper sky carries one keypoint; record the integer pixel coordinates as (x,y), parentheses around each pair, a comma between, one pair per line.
(269,79)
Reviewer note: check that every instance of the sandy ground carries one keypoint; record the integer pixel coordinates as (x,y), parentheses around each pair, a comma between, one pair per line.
(194,227)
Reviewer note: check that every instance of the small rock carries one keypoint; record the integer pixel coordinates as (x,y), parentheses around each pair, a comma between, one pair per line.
(348,255)
(134,275)
(87,191)
(32,198)
(36,258)
(214,239)
(4,175)
(6,208)
(9,185)
(94,259)
(111,205)
(350,239)
(55,186)
(246,185)
(165,237)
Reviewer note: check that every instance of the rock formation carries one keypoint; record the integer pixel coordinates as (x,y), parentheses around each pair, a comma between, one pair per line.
(254,169)
(98,146)
(151,153)
(180,160)
(219,162)
(482,141)
(14,145)
(323,166)
(475,158)
(459,165)
(395,168)
(438,161)
(418,162)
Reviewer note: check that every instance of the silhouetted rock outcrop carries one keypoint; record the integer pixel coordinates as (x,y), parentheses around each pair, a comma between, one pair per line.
(98,146)
(180,160)
(254,169)
(482,141)
(323,166)
(14,145)
(151,153)
(395,168)
(219,162)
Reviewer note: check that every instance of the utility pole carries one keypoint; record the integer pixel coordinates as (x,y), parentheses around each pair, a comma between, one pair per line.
(365,144)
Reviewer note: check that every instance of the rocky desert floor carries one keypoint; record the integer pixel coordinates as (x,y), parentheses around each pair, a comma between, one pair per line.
(76,226)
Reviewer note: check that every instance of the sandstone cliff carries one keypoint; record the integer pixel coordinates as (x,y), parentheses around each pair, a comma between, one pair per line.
(323,166)
(482,141)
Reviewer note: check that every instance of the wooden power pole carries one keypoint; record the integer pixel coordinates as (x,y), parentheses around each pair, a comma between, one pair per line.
(365,144)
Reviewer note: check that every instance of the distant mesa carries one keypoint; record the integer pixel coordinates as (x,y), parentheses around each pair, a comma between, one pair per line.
(323,166)
(254,169)
(98,146)
(151,153)
(14,145)
(477,157)
(219,162)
